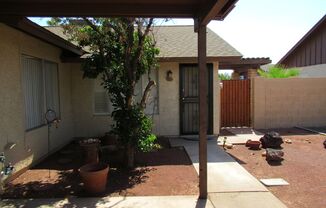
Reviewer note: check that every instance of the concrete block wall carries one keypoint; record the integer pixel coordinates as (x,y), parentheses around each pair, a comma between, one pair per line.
(283,103)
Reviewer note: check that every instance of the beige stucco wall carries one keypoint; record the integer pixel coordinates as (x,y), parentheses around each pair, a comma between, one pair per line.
(281,103)
(84,121)
(30,146)
(165,123)
(216,100)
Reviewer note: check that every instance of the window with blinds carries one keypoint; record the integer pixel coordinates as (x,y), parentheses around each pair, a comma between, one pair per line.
(102,104)
(40,87)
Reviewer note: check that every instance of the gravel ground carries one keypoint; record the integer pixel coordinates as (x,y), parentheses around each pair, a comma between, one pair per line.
(304,167)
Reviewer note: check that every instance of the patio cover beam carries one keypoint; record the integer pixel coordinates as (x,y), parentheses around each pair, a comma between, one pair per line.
(210,10)
(117,8)
(202,41)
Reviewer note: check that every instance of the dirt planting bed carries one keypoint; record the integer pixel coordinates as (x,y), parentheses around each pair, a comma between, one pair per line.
(167,171)
(304,167)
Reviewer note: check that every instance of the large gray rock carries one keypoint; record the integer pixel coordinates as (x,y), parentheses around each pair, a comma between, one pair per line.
(274,154)
(271,140)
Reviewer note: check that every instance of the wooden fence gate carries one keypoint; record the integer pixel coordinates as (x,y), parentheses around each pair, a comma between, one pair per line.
(235,103)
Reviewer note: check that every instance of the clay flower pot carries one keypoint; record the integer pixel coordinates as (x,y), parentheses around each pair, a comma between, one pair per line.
(91,148)
(94,177)
(109,139)
(254,145)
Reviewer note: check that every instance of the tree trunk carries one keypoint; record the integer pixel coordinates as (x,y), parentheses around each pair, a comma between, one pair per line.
(130,156)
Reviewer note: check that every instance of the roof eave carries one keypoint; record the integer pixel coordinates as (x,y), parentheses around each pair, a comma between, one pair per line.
(195,59)
(35,30)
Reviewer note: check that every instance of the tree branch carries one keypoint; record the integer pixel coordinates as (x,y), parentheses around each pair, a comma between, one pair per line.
(141,38)
(148,88)
(94,27)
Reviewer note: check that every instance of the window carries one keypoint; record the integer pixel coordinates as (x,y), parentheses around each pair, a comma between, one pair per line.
(51,86)
(103,106)
(40,87)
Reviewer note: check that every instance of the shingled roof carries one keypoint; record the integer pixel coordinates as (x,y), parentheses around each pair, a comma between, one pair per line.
(181,42)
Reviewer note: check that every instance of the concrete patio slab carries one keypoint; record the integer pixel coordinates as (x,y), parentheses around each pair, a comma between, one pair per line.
(245,200)
(114,202)
(224,173)
(241,135)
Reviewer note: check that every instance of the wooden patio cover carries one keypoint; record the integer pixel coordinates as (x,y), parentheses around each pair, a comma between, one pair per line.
(202,11)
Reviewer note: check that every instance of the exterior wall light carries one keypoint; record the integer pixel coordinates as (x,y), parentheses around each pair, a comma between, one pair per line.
(169,76)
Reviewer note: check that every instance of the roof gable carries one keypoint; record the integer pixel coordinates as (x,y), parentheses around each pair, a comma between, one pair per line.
(302,41)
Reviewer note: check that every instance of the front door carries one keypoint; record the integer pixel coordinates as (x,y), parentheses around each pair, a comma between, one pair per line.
(189,99)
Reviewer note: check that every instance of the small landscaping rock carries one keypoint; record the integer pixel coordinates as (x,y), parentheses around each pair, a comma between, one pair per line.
(263,154)
(229,145)
(288,141)
(325,144)
(274,154)
(271,140)
(254,145)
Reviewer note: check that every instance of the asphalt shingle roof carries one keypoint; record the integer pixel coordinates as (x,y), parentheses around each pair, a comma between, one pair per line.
(181,41)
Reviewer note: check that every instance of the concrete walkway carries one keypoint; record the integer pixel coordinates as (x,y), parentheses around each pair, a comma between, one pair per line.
(241,135)
(116,202)
(229,184)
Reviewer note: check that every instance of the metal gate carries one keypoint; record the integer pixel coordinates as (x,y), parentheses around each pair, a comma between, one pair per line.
(189,99)
(235,103)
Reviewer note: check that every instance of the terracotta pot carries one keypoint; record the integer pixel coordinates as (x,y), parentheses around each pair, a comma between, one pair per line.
(91,148)
(109,139)
(94,177)
(255,145)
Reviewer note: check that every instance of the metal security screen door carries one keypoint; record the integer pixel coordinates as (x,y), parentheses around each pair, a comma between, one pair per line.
(189,99)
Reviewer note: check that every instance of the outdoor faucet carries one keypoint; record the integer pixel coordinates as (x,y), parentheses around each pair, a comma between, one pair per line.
(5,169)
(2,157)
(8,169)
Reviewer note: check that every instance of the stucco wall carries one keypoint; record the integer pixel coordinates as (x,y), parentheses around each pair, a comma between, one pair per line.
(165,123)
(30,146)
(216,100)
(313,71)
(281,103)
(84,121)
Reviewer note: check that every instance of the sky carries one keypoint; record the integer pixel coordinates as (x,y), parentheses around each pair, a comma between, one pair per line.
(263,28)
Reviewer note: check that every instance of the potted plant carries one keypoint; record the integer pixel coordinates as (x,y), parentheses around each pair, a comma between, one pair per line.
(94,177)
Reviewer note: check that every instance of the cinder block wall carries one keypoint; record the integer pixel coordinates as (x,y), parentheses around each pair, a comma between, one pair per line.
(283,103)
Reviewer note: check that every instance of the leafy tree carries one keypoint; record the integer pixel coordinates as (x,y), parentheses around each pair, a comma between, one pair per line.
(279,72)
(122,50)
(224,76)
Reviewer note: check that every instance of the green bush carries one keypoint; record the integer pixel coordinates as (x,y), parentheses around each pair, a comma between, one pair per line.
(224,76)
(279,72)
(134,127)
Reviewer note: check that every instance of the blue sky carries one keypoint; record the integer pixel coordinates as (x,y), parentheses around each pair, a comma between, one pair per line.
(263,28)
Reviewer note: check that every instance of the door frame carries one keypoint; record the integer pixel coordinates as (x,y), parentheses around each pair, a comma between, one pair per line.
(210,99)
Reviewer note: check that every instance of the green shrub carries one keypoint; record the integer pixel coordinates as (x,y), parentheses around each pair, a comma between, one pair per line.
(224,76)
(279,72)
